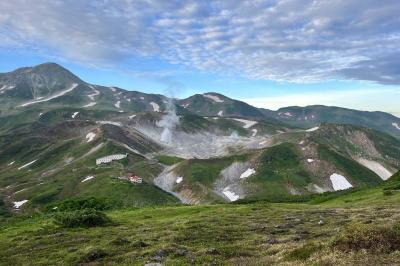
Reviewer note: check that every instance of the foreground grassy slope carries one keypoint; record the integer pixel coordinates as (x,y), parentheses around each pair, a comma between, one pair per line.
(236,234)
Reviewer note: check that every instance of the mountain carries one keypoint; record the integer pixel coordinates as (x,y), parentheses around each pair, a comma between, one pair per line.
(207,148)
(310,116)
(292,163)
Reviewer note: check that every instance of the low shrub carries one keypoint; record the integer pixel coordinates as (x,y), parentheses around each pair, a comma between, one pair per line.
(369,237)
(93,255)
(81,218)
(81,204)
(304,252)
(387,193)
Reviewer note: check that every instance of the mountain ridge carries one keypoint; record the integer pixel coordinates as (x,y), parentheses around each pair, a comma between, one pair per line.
(207,104)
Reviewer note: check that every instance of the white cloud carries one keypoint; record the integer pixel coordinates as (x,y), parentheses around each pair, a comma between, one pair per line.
(282,40)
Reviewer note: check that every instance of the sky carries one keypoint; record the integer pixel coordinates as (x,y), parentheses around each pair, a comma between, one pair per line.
(269,53)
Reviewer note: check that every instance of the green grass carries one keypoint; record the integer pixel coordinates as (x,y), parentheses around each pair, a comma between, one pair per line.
(360,175)
(238,234)
(168,160)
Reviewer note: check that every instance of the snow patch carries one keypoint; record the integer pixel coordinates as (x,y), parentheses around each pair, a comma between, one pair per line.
(6,88)
(117,104)
(301,142)
(285,114)
(312,129)
(179,179)
(74,114)
(59,94)
(156,107)
(220,113)
(109,122)
(214,98)
(11,163)
(90,136)
(376,167)
(317,189)
(132,116)
(310,160)
(339,182)
(396,125)
(18,204)
(247,123)
(113,89)
(26,165)
(247,173)
(89,104)
(254,132)
(87,178)
(230,195)
(96,92)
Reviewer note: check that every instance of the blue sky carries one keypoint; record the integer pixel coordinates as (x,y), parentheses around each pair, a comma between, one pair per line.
(270,53)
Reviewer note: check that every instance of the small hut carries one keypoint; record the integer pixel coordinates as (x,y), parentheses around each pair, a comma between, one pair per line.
(134,178)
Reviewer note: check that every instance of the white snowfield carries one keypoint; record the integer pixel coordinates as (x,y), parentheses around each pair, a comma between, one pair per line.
(18,204)
(59,94)
(376,167)
(230,195)
(109,122)
(91,97)
(214,98)
(5,88)
(254,130)
(95,93)
(110,158)
(220,113)
(87,178)
(310,160)
(317,189)
(89,104)
(156,107)
(118,104)
(285,114)
(247,173)
(312,129)
(179,179)
(339,182)
(396,125)
(90,136)
(247,123)
(74,114)
(26,165)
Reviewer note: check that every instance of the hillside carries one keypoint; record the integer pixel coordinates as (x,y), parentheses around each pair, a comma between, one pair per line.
(207,148)
(344,228)
(311,116)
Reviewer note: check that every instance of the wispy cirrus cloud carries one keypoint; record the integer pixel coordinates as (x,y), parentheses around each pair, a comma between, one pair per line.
(281,40)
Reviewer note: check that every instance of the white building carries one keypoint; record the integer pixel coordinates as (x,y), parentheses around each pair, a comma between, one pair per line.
(110,158)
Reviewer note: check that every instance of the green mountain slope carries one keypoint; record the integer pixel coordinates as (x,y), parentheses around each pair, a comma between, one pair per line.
(311,116)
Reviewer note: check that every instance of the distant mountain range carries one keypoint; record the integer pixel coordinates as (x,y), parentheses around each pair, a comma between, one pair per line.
(203,149)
